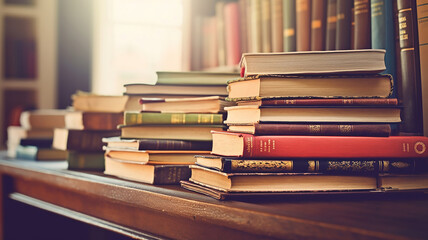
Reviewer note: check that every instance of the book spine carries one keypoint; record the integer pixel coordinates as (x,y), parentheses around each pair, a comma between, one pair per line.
(232,28)
(422,11)
(255,25)
(277,27)
(101,121)
(342,167)
(318,25)
(85,161)
(378,23)
(136,118)
(381,130)
(148,144)
(26,152)
(362,37)
(330,42)
(266,27)
(303,25)
(333,147)
(171,174)
(90,141)
(410,94)
(331,102)
(289,23)
(220,32)
(343,27)
(243,25)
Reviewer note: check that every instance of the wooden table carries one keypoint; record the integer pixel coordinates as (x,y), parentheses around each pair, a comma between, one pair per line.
(144,211)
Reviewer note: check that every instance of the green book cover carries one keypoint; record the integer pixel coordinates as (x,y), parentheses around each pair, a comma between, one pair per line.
(85,161)
(289,22)
(148,118)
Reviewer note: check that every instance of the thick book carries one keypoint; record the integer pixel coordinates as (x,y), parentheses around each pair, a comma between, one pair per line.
(85,161)
(303,25)
(259,87)
(157,144)
(39,154)
(175,132)
(195,77)
(212,104)
(155,157)
(422,11)
(318,25)
(93,120)
(314,62)
(245,115)
(176,89)
(331,22)
(81,140)
(232,34)
(380,130)
(277,147)
(337,167)
(362,35)
(150,118)
(152,174)
(43,119)
(86,102)
(289,23)
(343,25)
(277,25)
(322,102)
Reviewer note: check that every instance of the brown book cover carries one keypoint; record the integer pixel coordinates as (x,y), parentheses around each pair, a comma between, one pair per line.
(93,120)
(266,27)
(157,144)
(343,26)
(331,102)
(303,25)
(277,26)
(331,22)
(81,140)
(362,36)
(422,12)
(318,25)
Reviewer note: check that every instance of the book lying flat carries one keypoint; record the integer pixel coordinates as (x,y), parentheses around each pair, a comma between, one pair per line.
(314,62)
(157,144)
(85,161)
(99,103)
(195,78)
(43,119)
(245,115)
(198,90)
(359,86)
(212,104)
(177,132)
(93,120)
(39,154)
(81,140)
(152,174)
(150,118)
(322,102)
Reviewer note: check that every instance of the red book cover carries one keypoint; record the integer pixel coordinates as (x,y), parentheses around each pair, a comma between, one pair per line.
(331,102)
(232,29)
(277,147)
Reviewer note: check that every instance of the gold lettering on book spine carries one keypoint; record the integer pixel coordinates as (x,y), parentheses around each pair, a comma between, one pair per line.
(311,166)
(261,166)
(351,166)
(314,128)
(345,129)
(420,147)
(400,164)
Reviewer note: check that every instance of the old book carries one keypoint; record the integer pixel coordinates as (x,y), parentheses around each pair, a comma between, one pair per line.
(343,27)
(422,11)
(318,25)
(146,173)
(85,161)
(321,62)
(93,120)
(212,104)
(98,103)
(289,23)
(303,25)
(277,25)
(380,130)
(245,115)
(362,36)
(176,89)
(15,134)
(36,153)
(259,87)
(155,157)
(255,26)
(37,142)
(177,132)
(157,144)
(330,42)
(232,34)
(266,26)
(287,147)
(337,166)
(81,140)
(43,119)
(243,19)
(195,77)
(322,102)
(133,103)
(220,32)
(150,118)
(410,92)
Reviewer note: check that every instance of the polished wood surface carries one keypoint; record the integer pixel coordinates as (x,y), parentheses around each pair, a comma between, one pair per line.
(171,212)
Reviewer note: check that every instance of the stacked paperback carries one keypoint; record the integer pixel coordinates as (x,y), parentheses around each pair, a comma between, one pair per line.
(158,142)
(311,122)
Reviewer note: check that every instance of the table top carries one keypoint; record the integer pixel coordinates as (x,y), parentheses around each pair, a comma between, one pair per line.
(173,212)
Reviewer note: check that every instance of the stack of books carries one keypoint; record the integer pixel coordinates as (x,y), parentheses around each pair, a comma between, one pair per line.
(311,122)
(33,139)
(93,118)
(159,141)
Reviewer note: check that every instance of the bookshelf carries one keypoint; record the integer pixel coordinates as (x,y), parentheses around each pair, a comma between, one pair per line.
(28,58)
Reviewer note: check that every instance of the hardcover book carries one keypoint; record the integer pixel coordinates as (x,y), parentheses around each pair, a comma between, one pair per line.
(157,144)
(86,102)
(176,89)
(93,120)
(43,119)
(194,78)
(322,102)
(303,25)
(212,104)
(168,132)
(343,25)
(330,42)
(85,161)
(81,140)
(289,16)
(151,118)
(39,154)
(318,25)
(362,26)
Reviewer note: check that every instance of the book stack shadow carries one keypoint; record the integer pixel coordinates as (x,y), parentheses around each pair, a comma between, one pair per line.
(311,123)
(161,135)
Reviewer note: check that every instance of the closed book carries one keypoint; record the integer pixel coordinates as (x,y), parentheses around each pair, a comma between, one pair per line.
(318,25)
(220,32)
(43,119)
(151,174)
(277,25)
(85,161)
(289,23)
(303,25)
(176,132)
(422,11)
(266,26)
(380,130)
(313,62)
(330,38)
(195,77)
(37,142)
(260,87)
(157,144)
(93,120)
(150,118)
(246,115)
(255,25)
(339,166)
(362,36)
(243,20)
(98,103)
(176,89)
(343,27)
(212,104)
(277,147)
(39,154)
(81,140)
(232,33)
(323,102)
